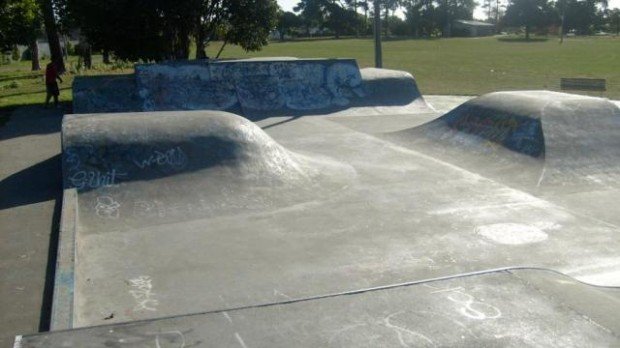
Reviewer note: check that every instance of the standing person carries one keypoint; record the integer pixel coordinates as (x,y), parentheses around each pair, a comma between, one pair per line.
(51,75)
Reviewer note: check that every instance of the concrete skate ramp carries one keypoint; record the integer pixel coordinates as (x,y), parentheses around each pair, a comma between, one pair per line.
(516,308)
(254,88)
(208,211)
(535,139)
(204,163)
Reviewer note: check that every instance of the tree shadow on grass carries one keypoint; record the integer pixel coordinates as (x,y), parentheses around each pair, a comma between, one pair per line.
(33,92)
(522,39)
(20,77)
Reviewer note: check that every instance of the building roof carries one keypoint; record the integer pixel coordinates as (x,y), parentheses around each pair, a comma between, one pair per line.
(474,23)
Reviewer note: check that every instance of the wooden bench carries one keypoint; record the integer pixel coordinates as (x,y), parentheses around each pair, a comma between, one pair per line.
(583,84)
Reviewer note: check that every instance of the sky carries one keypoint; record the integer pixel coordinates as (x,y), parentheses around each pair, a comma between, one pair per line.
(287,5)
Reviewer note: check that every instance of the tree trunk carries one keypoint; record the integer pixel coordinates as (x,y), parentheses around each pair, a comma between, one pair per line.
(496,14)
(200,49)
(34,55)
(445,31)
(183,48)
(386,24)
(88,56)
(200,45)
(527,32)
(52,34)
(221,49)
(106,56)
(357,25)
(65,48)
(200,40)
(181,43)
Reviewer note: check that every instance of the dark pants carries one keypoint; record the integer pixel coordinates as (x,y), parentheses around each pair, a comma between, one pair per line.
(52,90)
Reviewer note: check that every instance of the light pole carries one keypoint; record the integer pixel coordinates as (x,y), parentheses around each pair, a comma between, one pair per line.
(377,27)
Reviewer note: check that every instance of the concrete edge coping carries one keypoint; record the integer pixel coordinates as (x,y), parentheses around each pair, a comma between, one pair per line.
(63,299)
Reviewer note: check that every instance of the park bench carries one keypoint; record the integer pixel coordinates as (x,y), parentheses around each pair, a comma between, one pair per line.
(582,84)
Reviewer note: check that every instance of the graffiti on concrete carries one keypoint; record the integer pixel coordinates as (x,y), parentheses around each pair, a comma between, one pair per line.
(517,133)
(254,85)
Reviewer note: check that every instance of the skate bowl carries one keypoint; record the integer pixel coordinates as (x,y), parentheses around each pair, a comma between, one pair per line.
(179,212)
(254,88)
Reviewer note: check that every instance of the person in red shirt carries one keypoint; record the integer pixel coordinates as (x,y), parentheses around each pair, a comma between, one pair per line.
(51,75)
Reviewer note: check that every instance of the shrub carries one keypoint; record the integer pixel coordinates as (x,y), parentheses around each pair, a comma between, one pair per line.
(15,54)
(70,48)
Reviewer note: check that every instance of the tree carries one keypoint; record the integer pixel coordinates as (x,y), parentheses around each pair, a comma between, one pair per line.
(249,22)
(331,14)
(389,5)
(286,22)
(613,20)
(312,13)
(341,20)
(20,25)
(421,16)
(528,13)
(451,10)
(581,16)
(53,40)
(155,30)
(428,17)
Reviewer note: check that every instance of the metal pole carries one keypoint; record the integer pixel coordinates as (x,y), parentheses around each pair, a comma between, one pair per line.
(378,58)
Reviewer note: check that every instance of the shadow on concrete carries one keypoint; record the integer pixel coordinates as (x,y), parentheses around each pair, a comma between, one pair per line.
(281,122)
(28,119)
(39,183)
(45,317)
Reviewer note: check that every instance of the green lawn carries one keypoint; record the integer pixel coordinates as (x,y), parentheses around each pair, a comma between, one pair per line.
(20,86)
(466,66)
(471,66)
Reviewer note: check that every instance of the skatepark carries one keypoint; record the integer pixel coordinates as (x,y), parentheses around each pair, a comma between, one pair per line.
(300,202)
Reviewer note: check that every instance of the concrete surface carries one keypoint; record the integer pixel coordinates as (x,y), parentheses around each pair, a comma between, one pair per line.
(341,225)
(182,212)
(30,196)
(561,147)
(517,308)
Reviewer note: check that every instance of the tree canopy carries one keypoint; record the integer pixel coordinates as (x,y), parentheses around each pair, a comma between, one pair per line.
(21,22)
(163,29)
(339,17)
(428,17)
(529,14)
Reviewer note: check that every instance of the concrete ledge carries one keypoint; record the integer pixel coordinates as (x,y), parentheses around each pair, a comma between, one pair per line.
(255,89)
(62,305)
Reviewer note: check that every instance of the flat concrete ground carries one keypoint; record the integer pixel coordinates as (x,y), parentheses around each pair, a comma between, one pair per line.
(30,202)
(516,308)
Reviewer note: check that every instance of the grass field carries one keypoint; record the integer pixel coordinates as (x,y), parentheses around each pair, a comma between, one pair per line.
(472,66)
(463,66)
(20,86)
